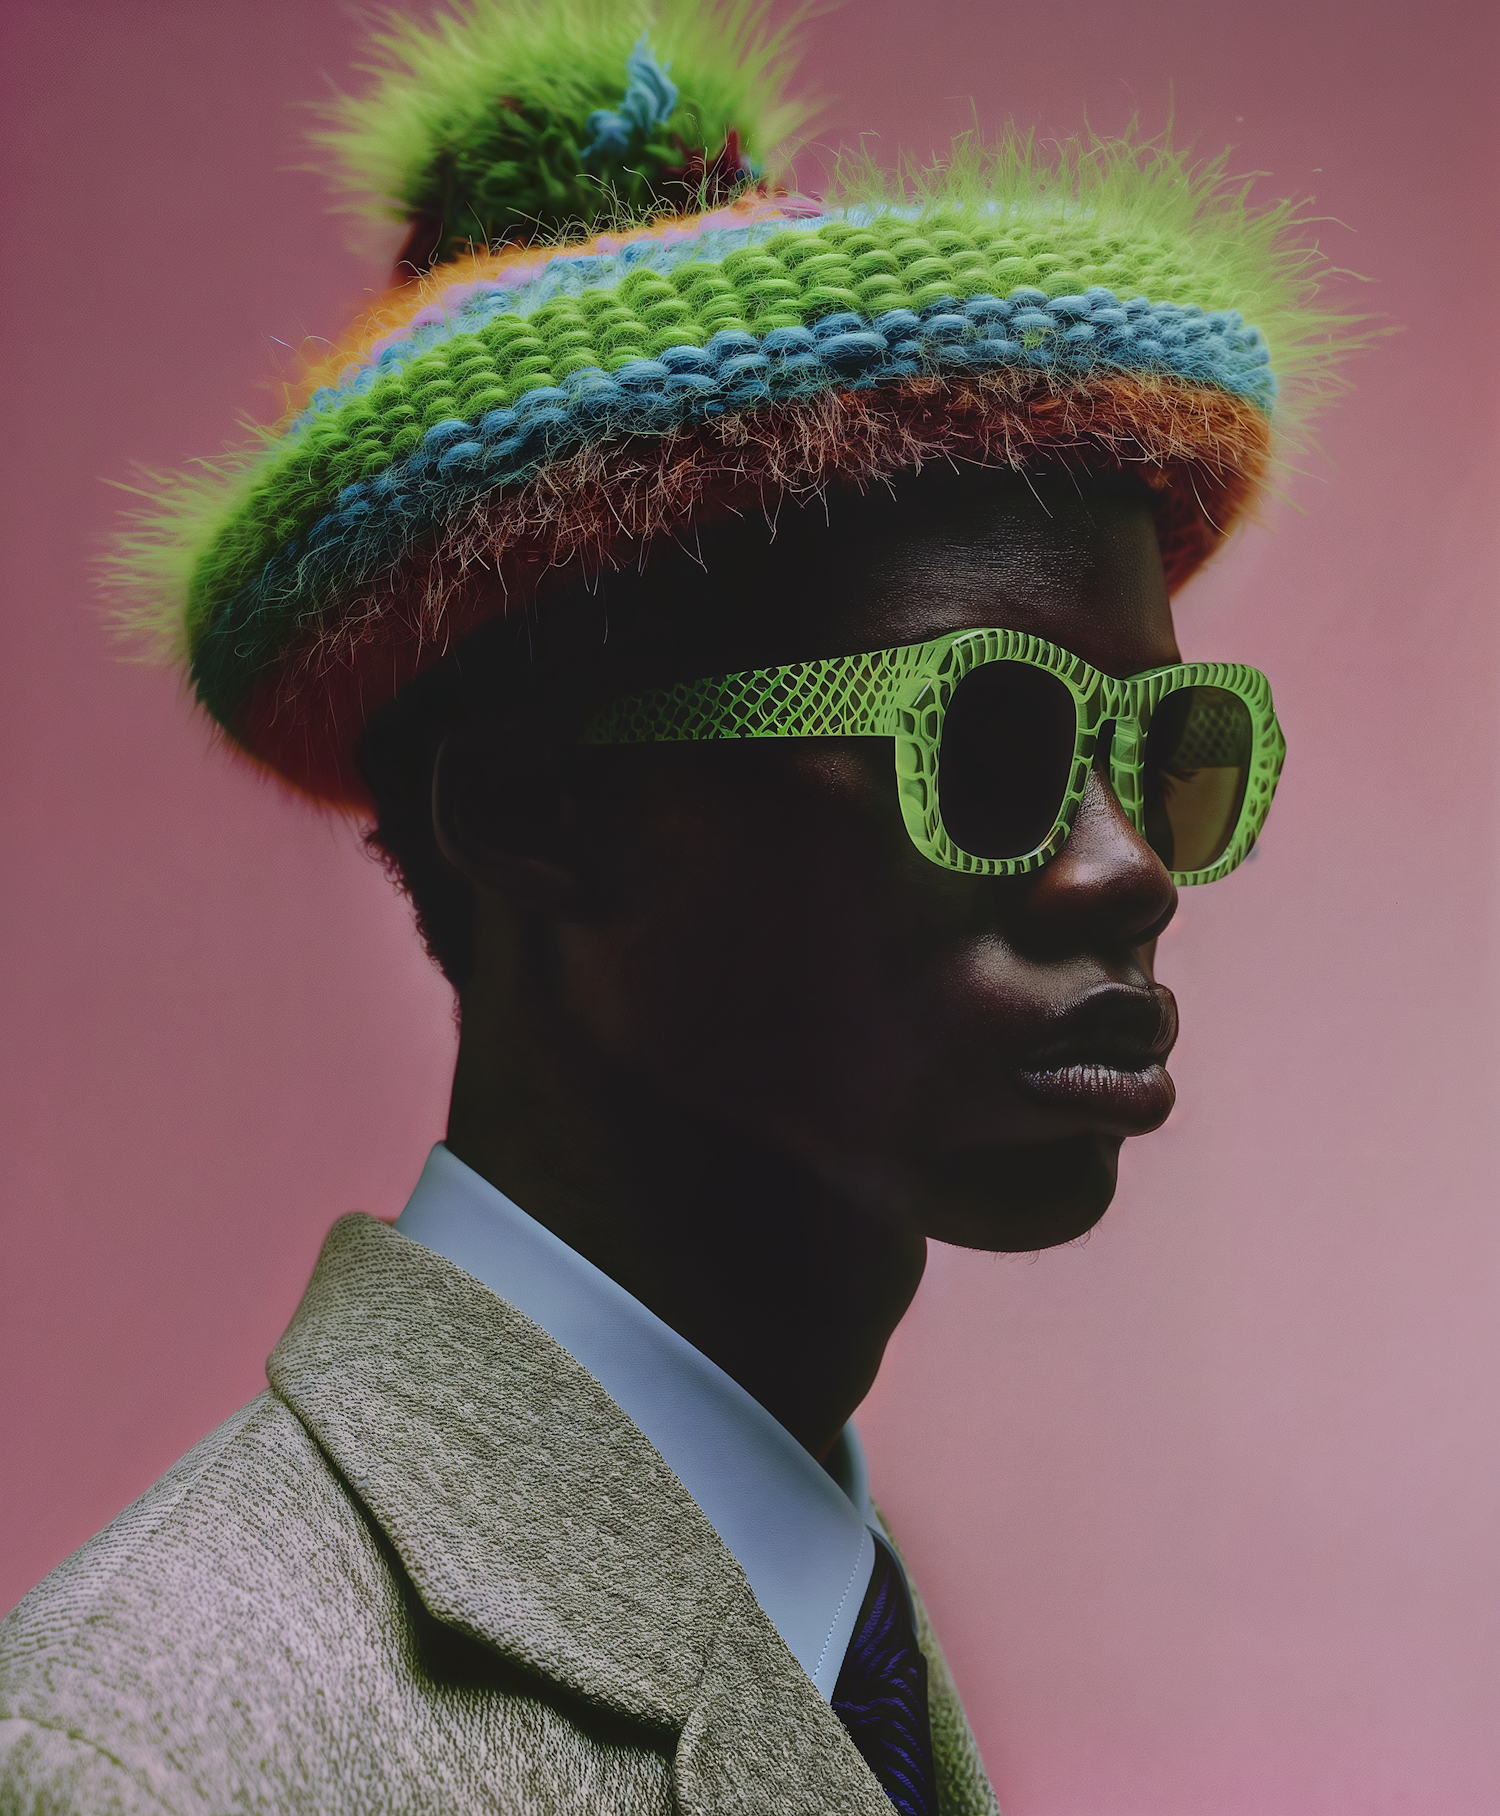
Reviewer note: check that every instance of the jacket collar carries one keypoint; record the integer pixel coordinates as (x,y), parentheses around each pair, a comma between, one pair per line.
(802,1541)
(532,1515)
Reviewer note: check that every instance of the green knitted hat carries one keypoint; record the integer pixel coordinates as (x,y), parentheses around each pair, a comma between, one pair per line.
(547,395)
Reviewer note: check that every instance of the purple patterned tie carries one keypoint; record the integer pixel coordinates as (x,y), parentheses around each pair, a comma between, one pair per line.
(881,1695)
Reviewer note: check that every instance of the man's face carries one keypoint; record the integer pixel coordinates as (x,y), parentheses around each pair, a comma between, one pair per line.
(764,951)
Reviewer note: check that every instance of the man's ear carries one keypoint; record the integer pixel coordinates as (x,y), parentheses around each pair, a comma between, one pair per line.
(501,816)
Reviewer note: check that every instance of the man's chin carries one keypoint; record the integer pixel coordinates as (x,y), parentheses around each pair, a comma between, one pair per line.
(1014,1200)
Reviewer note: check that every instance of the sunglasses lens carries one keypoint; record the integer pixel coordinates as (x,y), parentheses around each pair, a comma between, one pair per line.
(1197,764)
(1005,759)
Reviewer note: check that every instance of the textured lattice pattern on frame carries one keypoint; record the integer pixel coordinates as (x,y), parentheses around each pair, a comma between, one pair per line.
(855,696)
(904,694)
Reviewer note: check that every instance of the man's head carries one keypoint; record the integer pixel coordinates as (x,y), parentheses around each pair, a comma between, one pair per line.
(555,469)
(727,1028)
(739,936)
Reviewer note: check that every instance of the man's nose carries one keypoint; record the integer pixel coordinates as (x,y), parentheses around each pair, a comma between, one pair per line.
(1106,890)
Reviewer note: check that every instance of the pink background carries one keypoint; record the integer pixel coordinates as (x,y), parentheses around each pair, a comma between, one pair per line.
(1206,1507)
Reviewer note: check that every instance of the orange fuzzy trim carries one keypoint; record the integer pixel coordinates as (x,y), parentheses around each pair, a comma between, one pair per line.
(1203,453)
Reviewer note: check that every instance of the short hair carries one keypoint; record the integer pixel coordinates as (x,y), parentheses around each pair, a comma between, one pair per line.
(396,758)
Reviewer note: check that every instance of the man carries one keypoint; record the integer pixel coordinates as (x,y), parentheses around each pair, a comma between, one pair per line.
(751,637)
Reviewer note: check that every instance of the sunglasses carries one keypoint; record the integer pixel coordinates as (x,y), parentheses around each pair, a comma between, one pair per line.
(995,735)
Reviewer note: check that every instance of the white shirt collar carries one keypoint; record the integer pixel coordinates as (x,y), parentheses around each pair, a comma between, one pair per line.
(801,1537)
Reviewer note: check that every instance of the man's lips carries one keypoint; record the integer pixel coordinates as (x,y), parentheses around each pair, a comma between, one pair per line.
(1118,1100)
(1104,1066)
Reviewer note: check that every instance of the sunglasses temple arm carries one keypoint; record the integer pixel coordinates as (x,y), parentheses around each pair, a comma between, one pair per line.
(837,698)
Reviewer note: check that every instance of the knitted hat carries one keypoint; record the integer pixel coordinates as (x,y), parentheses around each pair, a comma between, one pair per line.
(546,396)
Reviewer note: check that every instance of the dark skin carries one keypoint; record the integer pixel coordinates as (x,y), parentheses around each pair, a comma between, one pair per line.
(729,1034)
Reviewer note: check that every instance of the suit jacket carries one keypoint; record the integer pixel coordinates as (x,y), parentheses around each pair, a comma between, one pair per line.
(434,1568)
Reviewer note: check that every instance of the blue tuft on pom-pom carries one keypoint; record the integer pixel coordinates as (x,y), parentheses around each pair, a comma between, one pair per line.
(650,98)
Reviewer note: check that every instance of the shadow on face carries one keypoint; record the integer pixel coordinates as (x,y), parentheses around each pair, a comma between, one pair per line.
(737,941)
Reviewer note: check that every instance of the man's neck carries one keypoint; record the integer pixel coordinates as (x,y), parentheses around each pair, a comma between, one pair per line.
(749,1254)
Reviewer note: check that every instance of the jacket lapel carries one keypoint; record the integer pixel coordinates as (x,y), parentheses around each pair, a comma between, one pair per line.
(760,1738)
(532,1515)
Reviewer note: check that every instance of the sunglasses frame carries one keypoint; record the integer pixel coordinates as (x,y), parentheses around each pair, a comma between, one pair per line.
(904,693)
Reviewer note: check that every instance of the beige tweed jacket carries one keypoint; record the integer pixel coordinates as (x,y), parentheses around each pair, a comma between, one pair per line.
(434,1568)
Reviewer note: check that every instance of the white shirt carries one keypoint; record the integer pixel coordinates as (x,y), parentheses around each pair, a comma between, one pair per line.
(802,1538)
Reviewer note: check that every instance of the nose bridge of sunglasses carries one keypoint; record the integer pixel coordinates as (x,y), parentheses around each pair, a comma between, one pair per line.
(1120,745)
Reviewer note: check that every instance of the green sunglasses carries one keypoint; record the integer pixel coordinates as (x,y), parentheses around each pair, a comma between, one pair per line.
(995,734)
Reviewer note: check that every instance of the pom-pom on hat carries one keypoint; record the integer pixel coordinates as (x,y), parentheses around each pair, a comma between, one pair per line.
(547,396)
(511,120)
